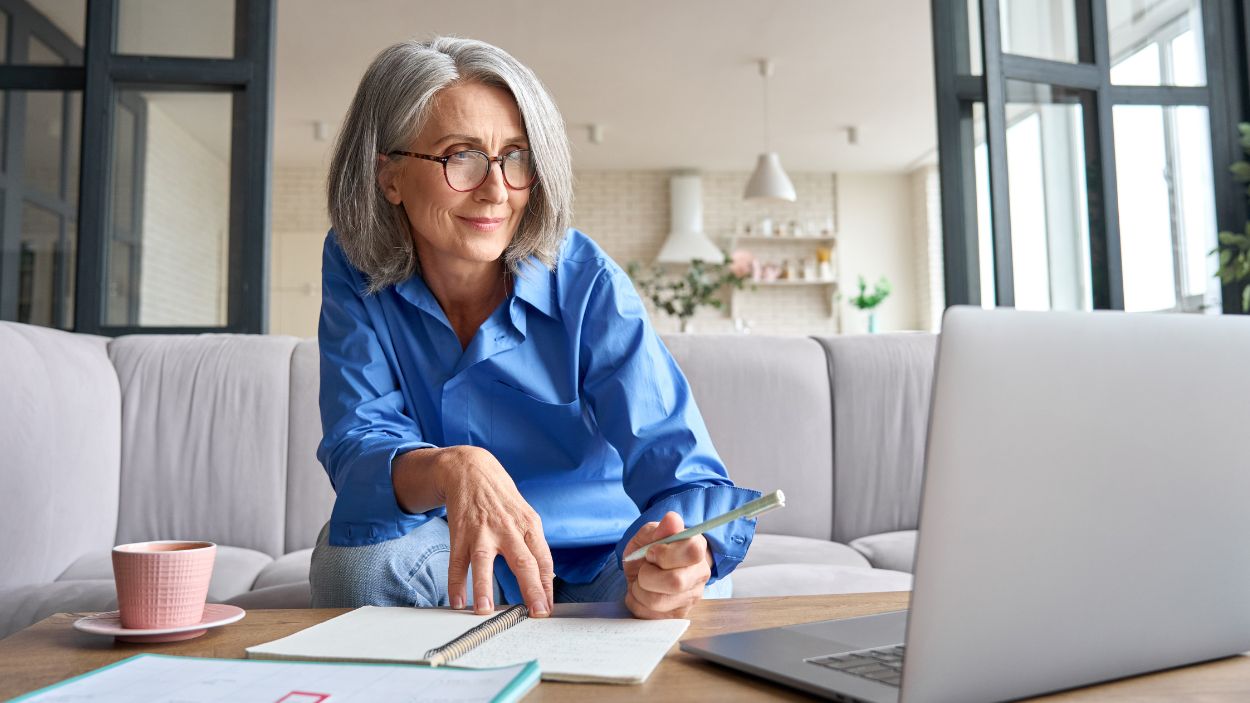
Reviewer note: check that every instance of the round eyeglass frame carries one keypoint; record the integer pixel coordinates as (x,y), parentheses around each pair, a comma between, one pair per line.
(489,160)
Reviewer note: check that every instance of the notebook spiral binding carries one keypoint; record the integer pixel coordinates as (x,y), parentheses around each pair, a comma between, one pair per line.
(476,636)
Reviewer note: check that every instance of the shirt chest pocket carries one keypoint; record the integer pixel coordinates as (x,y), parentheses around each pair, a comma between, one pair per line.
(536,433)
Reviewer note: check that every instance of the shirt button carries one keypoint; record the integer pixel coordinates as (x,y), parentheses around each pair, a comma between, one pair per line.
(739,539)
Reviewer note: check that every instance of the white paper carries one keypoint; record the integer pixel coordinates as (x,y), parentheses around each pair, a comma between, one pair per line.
(190,680)
(581,649)
(616,650)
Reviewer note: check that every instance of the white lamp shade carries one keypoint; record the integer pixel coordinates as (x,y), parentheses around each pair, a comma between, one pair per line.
(686,240)
(769,181)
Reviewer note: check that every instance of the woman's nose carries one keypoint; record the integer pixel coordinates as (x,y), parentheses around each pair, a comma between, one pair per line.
(494,189)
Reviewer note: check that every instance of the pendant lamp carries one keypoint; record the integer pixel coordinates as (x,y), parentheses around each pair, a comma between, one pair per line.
(769,181)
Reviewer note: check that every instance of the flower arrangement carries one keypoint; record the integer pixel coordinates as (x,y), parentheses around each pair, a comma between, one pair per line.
(867,301)
(698,286)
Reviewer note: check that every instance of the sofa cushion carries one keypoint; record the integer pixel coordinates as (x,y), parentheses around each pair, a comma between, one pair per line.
(204,438)
(309,495)
(881,387)
(890,550)
(288,568)
(766,404)
(26,605)
(234,570)
(60,451)
(287,595)
(788,549)
(815,579)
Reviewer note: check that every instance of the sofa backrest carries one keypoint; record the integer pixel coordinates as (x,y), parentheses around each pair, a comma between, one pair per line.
(204,438)
(309,496)
(881,387)
(60,420)
(767,406)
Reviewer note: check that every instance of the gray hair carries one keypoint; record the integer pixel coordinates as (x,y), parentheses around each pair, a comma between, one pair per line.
(391,106)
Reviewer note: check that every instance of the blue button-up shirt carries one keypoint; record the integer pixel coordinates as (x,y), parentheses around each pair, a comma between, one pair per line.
(566,383)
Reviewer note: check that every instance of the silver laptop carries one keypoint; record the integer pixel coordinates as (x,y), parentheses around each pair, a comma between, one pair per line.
(1084,517)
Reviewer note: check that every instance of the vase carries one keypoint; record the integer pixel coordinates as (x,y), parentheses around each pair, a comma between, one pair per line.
(687,325)
(872,323)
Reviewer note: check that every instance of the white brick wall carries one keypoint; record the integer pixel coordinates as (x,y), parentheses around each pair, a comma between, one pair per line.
(300,223)
(186,209)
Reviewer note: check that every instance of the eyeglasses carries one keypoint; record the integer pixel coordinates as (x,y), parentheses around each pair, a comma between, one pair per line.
(467,170)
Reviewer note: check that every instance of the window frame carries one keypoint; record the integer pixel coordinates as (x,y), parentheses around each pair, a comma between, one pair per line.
(103,73)
(1224,32)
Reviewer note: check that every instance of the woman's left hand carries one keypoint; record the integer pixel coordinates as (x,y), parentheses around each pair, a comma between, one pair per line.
(669,580)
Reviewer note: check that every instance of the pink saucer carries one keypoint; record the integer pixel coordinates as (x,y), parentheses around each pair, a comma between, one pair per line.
(110,623)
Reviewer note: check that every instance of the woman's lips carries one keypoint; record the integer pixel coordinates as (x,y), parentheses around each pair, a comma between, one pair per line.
(483,224)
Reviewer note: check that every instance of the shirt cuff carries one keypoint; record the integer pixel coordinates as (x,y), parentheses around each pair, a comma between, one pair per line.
(729,542)
(365,509)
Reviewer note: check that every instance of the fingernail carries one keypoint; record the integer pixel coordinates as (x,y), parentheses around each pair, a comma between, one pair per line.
(483,603)
(540,609)
(457,602)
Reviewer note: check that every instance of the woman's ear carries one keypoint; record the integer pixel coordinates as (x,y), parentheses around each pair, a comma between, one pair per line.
(388,180)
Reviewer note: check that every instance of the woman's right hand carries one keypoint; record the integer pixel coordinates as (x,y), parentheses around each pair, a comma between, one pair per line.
(487,516)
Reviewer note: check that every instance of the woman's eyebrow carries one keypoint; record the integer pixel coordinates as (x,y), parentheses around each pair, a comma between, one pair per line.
(470,139)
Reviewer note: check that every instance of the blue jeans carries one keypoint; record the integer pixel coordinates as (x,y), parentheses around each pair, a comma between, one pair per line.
(412,571)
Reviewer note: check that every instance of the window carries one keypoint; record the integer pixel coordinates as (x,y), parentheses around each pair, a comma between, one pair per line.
(1084,162)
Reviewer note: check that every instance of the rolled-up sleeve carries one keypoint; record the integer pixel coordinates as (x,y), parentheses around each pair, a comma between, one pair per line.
(644,407)
(363,417)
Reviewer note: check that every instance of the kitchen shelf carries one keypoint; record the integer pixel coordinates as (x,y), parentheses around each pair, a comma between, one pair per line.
(779,238)
(831,296)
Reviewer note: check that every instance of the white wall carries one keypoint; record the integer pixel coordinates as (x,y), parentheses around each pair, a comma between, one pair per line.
(875,236)
(185,225)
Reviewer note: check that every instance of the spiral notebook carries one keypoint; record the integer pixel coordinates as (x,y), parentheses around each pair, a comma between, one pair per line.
(573,645)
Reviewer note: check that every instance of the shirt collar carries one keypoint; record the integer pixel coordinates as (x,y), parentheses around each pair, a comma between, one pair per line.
(536,285)
(415,291)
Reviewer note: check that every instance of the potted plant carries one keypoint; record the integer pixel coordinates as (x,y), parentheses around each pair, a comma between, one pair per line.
(1234,248)
(682,294)
(868,302)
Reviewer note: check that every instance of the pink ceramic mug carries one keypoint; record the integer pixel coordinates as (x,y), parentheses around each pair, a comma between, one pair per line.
(162,584)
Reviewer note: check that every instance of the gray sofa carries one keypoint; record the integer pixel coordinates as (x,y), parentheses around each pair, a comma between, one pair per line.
(106,441)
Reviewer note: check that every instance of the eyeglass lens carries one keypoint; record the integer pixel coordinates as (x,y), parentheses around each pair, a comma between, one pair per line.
(467,170)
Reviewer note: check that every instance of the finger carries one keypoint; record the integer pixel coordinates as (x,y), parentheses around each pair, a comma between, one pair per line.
(663,604)
(686,552)
(483,559)
(525,568)
(672,581)
(643,537)
(457,574)
(669,525)
(546,565)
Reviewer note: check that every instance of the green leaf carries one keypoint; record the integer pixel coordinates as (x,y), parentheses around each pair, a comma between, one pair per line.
(1240,171)
(1230,239)
(1226,255)
(1245,299)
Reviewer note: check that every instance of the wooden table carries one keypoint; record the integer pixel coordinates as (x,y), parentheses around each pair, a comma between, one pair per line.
(51,650)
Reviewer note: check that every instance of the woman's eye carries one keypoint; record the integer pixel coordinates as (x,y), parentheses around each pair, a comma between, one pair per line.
(462,156)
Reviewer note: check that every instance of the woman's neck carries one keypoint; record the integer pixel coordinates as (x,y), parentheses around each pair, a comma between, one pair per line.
(467,294)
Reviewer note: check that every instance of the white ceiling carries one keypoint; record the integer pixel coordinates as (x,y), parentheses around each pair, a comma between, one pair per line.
(673,82)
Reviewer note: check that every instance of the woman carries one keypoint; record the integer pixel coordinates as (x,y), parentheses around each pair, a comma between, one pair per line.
(501,421)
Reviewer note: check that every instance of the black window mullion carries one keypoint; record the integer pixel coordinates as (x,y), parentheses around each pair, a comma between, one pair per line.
(1107,274)
(1035,70)
(14,157)
(1227,26)
(251,169)
(956,166)
(95,172)
(996,144)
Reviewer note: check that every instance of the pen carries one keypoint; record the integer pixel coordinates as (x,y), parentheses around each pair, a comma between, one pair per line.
(763,504)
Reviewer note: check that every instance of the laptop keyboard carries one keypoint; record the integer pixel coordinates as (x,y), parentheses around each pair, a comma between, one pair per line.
(883,664)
